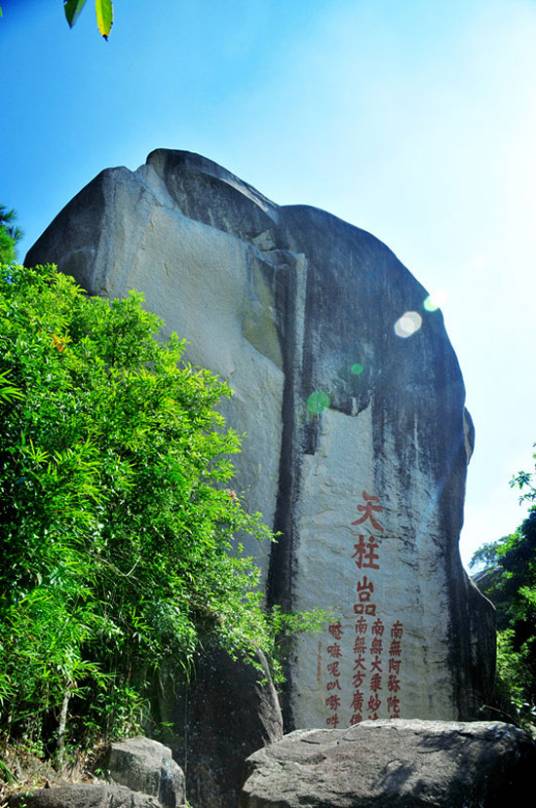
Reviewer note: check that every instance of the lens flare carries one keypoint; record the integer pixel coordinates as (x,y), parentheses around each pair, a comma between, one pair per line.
(357,369)
(408,324)
(434,301)
(317,402)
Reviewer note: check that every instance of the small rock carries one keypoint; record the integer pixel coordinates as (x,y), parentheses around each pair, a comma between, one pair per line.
(147,766)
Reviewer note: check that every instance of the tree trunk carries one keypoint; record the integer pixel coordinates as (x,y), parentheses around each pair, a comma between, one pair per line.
(60,755)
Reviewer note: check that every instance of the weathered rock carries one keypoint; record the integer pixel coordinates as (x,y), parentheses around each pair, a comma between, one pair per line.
(227,713)
(84,795)
(145,765)
(366,479)
(126,230)
(400,764)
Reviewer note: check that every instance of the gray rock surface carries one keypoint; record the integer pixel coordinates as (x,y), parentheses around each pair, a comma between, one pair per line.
(400,764)
(84,795)
(147,766)
(366,479)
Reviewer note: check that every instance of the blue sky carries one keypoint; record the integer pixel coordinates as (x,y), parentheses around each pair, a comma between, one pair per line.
(415,120)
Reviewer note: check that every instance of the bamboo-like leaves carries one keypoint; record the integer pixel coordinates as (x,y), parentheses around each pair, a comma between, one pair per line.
(72,9)
(119,541)
(103,10)
(105,16)
(8,391)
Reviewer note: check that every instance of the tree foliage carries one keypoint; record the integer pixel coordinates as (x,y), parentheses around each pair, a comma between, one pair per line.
(524,481)
(10,234)
(119,548)
(509,581)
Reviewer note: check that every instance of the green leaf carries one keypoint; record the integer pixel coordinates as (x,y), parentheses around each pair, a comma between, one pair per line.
(105,16)
(8,391)
(72,9)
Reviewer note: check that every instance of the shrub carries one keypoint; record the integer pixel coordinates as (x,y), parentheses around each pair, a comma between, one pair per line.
(119,547)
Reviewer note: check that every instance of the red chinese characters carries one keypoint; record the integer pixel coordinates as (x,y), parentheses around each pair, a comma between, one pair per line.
(364,589)
(374,704)
(366,556)
(376,670)
(378,628)
(368,510)
(359,664)
(376,647)
(333,701)
(393,681)
(335,629)
(359,645)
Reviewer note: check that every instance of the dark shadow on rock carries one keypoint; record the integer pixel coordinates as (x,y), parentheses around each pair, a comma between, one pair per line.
(229,711)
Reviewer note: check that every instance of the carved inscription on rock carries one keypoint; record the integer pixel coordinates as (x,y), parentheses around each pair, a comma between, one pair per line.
(374,647)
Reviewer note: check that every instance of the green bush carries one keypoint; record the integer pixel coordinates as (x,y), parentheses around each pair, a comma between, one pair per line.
(509,581)
(118,529)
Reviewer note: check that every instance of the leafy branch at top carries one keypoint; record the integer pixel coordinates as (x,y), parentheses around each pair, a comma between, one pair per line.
(104,13)
(524,479)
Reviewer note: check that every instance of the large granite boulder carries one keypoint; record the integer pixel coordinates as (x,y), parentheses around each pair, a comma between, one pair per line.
(147,766)
(352,403)
(400,764)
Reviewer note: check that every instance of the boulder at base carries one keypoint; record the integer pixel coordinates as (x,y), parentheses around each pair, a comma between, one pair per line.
(84,795)
(145,765)
(400,764)
(352,403)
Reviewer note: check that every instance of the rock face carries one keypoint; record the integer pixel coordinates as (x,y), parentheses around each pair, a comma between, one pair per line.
(229,711)
(145,765)
(401,764)
(352,402)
